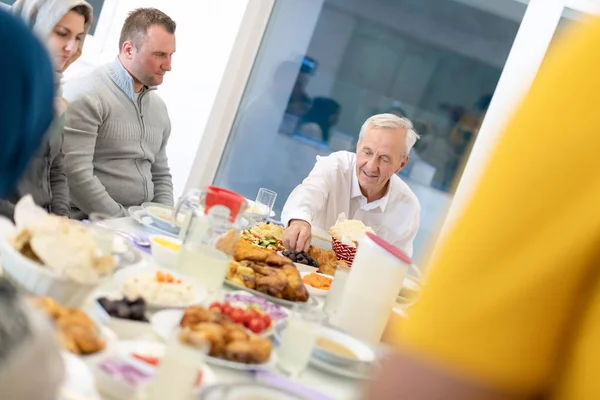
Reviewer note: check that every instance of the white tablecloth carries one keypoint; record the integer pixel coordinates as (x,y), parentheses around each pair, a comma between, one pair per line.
(330,385)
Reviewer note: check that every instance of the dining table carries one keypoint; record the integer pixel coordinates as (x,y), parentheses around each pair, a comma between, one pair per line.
(316,383)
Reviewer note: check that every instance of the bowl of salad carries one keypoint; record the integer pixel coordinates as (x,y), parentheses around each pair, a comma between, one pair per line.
(265,235)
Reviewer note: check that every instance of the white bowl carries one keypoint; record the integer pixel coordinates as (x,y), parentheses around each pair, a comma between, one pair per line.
(162,255)
(123,328)
(40,281)
(363,353)
(312,290)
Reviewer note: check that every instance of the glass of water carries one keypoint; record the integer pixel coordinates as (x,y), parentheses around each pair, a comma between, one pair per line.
(298,339)
(336,290)
(263,205)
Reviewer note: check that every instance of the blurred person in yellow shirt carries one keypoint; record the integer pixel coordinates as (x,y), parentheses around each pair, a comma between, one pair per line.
(511,309)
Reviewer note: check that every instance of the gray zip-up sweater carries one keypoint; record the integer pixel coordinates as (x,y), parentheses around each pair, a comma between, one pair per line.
(115,146)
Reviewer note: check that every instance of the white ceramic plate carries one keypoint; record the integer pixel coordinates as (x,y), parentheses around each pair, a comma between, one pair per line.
(166,323)
(143,218)
(79,383)
(313,290)
(311,300)
(157,349)
(341,370)
(125,274)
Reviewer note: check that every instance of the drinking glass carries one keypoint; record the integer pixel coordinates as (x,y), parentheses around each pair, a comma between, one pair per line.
(336,290)
(263,205)
(298,339)
(178,370)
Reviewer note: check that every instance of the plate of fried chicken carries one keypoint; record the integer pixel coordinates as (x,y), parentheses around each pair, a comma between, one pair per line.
(266,274)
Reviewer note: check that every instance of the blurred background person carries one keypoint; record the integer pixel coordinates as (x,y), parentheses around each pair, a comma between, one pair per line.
(62,25)
(30,364)
(511,308)
(323,115)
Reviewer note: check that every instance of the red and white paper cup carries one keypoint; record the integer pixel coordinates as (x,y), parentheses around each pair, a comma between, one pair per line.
(343,252)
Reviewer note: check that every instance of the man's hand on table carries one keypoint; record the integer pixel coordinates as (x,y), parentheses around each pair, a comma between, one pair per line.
(297,235)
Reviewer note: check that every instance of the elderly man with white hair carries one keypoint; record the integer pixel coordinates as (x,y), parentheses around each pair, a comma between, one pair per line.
(365,186)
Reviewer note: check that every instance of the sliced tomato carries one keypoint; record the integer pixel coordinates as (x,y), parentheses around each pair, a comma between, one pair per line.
(147,359)
(256,325)
(266,319)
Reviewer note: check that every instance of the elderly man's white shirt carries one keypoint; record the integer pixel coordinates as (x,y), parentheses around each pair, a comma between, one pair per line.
(332,188)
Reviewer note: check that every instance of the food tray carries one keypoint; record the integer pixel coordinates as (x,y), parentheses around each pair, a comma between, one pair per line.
(311,300)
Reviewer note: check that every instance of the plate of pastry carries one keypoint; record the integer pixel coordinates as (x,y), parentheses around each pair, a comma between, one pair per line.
(231,344)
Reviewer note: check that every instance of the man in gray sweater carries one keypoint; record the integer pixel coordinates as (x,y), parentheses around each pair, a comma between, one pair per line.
(117,127)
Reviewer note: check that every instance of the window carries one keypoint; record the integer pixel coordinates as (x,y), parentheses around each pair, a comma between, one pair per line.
(324,67)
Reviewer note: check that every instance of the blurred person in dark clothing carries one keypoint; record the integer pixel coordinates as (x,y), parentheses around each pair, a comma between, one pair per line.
(31,367)
(322,116)
(62,26)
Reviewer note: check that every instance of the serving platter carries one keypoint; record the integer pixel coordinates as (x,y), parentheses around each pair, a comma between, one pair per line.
(312,301)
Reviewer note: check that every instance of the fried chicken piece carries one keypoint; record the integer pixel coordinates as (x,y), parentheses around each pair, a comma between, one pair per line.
(263,269)
(321,256)
(235,332)
(295,290)
(212,332)
(277,260)
(239,351)
(47,305)
(245,250)
(226,242)
(68,342)
(328,268)
(273,285)
(241,274)
(77,330)
(193,315)
(261,348)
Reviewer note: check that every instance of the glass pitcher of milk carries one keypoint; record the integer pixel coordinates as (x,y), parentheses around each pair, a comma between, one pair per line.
(371,289)
(209,235)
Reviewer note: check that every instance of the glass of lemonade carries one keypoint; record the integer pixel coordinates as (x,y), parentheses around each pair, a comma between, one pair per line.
(298,339)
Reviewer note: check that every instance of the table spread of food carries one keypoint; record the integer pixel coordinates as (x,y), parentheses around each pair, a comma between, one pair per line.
(124,319)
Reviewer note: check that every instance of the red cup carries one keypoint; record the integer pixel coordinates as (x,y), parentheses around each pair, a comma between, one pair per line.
(216,196)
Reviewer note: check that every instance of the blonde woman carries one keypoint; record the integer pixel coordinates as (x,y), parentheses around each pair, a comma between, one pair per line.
(62,26)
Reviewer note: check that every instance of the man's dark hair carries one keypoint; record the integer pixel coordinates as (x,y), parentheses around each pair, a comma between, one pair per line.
(139,20)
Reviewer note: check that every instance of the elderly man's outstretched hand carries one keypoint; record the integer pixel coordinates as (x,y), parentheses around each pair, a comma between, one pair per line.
(297,235)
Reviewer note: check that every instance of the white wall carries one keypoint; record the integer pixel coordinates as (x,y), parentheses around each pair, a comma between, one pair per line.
(206,31)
